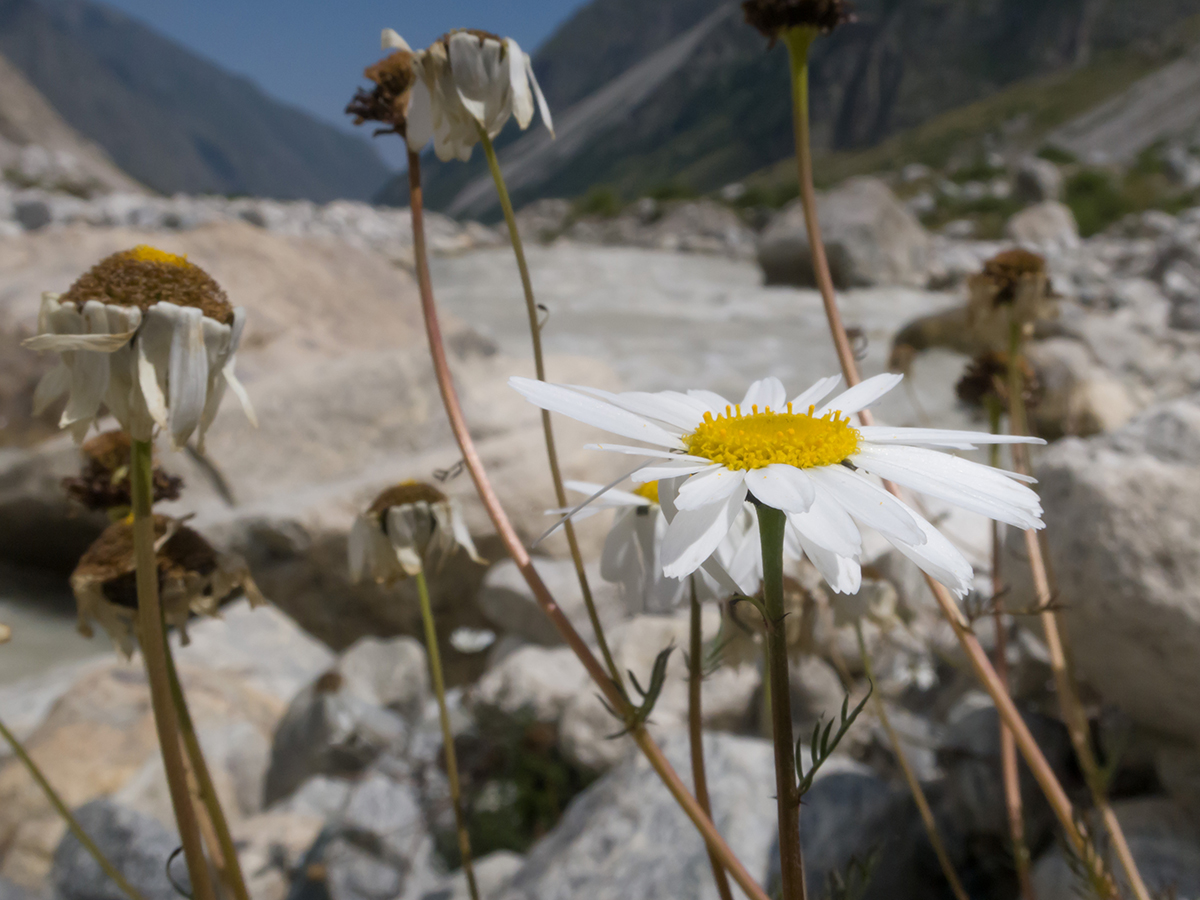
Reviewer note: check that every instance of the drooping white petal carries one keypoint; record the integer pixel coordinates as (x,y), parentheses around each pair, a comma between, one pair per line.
(122,365)
(462,534)
(418,129)
(543,107)
(480,79)
(711,487)
(827,524)
(522,96)
(592,411)
(693,535)
(89,371)
(842,573)
(862,394)
(659,473)
(782,487)
(815,394)
(869,503)
(391,40)
(619,561)
(938,557)
(153,359)
(52,385)
(766,393)
(239,391)
(357,543)
(94,343)
(187,375)
(939,437)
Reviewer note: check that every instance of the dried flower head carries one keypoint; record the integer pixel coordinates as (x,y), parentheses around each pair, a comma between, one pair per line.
(388,102)
(773,17)
(410,527)
(193,579)
(1013,288)
(985,381)
(148,334)
(103,483)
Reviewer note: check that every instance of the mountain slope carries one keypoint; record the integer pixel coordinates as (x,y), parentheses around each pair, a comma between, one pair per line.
(171,119)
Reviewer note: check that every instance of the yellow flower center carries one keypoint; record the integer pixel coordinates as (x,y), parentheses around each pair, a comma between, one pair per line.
(740,441)
(146,253)
(648,491)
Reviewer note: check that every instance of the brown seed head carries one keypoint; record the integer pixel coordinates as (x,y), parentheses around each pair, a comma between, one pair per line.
(144,276)
(404,493)
(773,17)
(394,77)
(103,483)
(1008,269)
(985,382)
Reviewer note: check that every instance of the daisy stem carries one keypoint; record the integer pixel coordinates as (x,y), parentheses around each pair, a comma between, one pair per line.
(439,690)
(539,364)
(771,524)
(910,777)
(1073,713)
(72,823)
(798,40)
(225,851)
(696,731)
(151,637)
(1008,748)
(512,542)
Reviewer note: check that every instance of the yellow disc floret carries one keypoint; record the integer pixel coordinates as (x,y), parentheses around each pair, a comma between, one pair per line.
(763,438)
(648,491)
(146,253)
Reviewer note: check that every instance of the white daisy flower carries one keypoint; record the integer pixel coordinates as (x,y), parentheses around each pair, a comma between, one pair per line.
(632,549)
(467,80)
(147,334)
(408,528)
(804,458)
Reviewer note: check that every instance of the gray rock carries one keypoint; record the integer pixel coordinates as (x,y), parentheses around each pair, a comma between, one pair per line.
(624,838)
(816,692)
(32,213)
(539,681)
(1077,395)
(492,875)
(136,844)
(10,891)
(393,673)
(1048,226)
(541,221)
(1037,180)
(354,873)
(870,238)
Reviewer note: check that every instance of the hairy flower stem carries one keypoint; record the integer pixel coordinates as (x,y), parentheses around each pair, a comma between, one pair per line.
(798,44)
(65,814)
(539,364)
(696,731)
(1073,713)
(512,543)
(151,637)
(225,856)
(910,777)
(771,523)
(439,690)
(1009,772)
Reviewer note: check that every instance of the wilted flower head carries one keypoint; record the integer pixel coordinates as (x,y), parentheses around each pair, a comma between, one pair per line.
(193,579)
(103,484)
(410,528)
(985,381)
(1012,288)
(465,81)
(149,335)
(774,17)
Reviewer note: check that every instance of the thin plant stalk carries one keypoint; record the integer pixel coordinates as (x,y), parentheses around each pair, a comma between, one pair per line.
(910,777)
(539,365)
(520,556)
(224,851)
(151,637)
(1073,713)
(1040,768)
(72,823)
(771,523)
(439,690)
(696,731)
(1009,771)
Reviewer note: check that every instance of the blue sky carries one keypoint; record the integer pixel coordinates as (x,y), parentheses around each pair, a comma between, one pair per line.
(311,53)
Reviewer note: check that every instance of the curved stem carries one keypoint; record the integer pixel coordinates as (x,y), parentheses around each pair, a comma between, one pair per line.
(539,364)
(696,730)
(228,866)
(72,823)
(520,556)
(910,777)
(439,690)
(151,637)
(771,524)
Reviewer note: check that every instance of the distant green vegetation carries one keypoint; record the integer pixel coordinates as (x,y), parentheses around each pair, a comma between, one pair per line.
(600,200)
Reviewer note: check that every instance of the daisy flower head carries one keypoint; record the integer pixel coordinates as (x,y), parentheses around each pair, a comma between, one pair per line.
(804,458)
(409,528)
(465,81)
(148,335)
(773,17)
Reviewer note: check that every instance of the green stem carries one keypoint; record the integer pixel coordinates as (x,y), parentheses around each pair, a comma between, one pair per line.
(771,523)
(439,689)
(696,732)
(72,823)
(539,364)
(230,867)
(151,637)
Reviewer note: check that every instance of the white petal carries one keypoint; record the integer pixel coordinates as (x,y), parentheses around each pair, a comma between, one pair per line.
(652,452)
(862,394)
(612,498)
(461,533)
(480,79)
(543,107)
(97,343)
(391,40)
(239,391)
(714,403)
(89,371)
(938,557)
(827,524)
(939,437)
(842,573)
(869,503)
(52,385)
(522,97)
(591,411)
(816,393)
(782,487)
(970,485)
(187,375)
(659,473)
(664,407)
(619,562)
(418,129)
(693,535)
(153,355)
(711,487)
(356,548)
(766,393)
